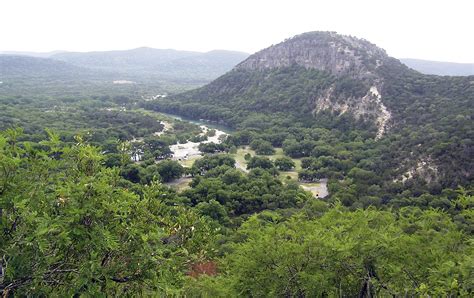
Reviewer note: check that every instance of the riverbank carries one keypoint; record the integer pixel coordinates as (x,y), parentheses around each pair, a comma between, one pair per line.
(187,153)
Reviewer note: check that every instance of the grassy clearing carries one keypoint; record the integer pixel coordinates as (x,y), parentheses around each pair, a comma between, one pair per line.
(317,189)
(240,159)
(297,164)
(240,155)
(241,152)
(187,163)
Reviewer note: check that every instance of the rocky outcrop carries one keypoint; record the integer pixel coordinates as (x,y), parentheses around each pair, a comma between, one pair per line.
(327,51)
(425,168)
(369,106)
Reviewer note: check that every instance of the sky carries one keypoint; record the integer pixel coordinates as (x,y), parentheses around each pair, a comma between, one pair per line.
(425,29)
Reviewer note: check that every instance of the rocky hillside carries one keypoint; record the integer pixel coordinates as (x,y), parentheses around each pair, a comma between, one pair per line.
(325,51)
(344,57)
(322,79)
(335,73)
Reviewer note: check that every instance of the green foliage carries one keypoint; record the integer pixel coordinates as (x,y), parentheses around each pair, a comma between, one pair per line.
(68,227)
(295,148)
(262,147)
(209,162)
(428,139)
(212,147)
(260,162)
(198,138)
(284,163)
(97,120)
(82,220)
(341,253)
(157,147)
(247,92)
(219,184)
(214,210)
(169,170)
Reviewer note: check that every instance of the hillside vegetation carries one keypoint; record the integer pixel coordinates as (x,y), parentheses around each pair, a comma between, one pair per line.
(335,96)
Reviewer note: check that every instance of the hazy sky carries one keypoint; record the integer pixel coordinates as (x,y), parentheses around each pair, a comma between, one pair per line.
(428,29)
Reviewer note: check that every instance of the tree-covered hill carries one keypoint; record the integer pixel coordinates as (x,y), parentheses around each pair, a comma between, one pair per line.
(421,124)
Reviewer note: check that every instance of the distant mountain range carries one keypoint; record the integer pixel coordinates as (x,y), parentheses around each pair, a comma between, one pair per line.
(25,67)
(165,65)
(157,63)
(440,68)
(137,65)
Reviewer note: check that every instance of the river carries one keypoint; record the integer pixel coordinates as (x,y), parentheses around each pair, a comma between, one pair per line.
(190,151)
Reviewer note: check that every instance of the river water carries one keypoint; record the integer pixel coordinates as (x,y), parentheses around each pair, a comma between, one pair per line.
(191,149)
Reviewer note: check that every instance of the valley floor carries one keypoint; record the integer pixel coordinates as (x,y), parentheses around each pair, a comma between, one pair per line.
(188,153)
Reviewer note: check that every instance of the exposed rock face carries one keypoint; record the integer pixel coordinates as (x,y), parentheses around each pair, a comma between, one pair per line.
(368,107)
(342,56)
(383,115)
(424,168)
(326,51)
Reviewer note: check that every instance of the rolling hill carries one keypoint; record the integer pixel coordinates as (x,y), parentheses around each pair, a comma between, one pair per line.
(24,67)
(155,70)
(157,64)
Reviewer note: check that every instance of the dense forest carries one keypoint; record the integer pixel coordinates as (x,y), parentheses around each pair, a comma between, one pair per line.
(81,227)
(95,202)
